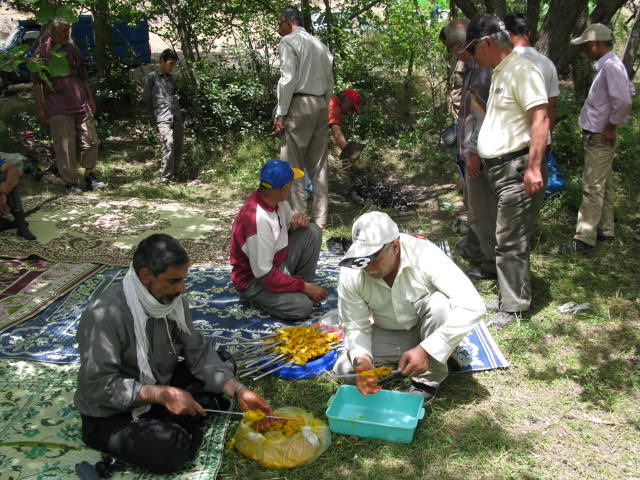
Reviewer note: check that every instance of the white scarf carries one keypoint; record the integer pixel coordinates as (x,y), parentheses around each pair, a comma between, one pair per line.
(144,305)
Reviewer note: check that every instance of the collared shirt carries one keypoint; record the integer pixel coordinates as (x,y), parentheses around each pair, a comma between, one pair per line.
(69,94)
(517,86)
(424,269)
(160,92)
(455,94)
(259,246)
(473,107)
(546,67)
(305,68)
(609,99)
(109,377)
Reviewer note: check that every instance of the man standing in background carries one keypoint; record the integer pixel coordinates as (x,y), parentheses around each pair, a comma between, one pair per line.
(68,107)
(305,86)
(607,106)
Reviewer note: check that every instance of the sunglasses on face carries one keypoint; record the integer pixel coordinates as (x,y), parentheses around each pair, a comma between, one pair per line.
(472,46)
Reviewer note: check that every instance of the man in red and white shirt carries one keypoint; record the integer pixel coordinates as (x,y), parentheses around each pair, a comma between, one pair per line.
(274,252)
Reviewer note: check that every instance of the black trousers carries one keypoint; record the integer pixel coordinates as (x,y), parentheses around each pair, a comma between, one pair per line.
(159,441)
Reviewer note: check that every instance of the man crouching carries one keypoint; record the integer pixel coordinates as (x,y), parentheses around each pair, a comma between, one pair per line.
(146,374)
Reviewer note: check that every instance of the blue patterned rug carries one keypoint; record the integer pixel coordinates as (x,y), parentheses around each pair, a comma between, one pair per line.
(50,335)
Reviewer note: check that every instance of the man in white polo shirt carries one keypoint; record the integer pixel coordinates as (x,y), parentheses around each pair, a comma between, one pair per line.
(512,144)
(421,303)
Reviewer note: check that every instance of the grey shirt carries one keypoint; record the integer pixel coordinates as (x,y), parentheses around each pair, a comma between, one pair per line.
(108,380)
(160,92)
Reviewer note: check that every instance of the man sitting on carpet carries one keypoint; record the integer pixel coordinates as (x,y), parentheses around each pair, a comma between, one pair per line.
(274,252)
(139,400)
(421,303)
(10,201)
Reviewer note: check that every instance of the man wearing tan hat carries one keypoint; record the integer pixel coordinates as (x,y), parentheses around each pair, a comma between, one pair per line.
(274,251)
(607,106)
(421,303)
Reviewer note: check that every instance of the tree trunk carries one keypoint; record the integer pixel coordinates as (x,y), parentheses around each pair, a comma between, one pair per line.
(496,7)
(581,70)
(605,10)
(631,48)
(468,8)
(560,24)
(103,50)
(533,16)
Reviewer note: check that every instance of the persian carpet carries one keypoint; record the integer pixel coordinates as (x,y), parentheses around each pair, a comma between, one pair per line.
(79,229)
(40,429)
(216,311)
(28,286)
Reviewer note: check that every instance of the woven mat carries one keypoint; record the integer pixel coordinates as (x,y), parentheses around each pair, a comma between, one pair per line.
(216,311)
(29,286)
(80,229)
(40,430)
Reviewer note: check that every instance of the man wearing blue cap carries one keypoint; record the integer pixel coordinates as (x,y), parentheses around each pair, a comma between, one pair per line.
(274,252)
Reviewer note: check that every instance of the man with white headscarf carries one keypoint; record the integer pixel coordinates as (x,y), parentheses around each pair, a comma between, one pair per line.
(146,374)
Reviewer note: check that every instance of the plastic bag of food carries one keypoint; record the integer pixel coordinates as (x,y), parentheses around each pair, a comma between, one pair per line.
(284,443)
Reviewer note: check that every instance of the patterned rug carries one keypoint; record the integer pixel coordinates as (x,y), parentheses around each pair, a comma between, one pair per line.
(216,311)
(29,286)
(40,430)
(79,229)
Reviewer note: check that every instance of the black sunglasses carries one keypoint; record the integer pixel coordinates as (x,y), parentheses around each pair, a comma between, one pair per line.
(472,46)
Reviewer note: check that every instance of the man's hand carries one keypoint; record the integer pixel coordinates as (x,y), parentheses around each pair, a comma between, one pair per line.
(609,134)
(366,385)
(472,165)
(250,400)
(299,220)
(278,125)
(414,362)
(180,402)
(315,292)
(533,181)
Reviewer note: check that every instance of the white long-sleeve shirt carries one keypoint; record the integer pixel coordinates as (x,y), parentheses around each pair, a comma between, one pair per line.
(424,269)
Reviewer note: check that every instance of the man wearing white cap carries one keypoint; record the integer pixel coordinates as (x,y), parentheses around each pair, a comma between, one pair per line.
(607,106)
(421,303)
(274,252)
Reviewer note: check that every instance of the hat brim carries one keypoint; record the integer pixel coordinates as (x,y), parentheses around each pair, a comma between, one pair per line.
(297,173)
(359,256)
(466,45)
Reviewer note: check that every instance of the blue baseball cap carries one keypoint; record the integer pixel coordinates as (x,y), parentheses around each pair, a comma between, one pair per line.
(276,173)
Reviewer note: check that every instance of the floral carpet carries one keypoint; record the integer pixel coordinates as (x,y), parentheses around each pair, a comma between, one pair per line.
(28,286)
(40,430)
(216,311)
(80,229)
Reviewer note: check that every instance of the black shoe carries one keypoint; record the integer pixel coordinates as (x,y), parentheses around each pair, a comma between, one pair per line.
(575,246)
(605,238)
(25,233)
(477,273)
(73,189)
(427,392)
(502,319)
(92,183)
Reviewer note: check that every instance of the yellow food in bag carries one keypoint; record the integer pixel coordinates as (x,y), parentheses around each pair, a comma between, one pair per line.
(284,444)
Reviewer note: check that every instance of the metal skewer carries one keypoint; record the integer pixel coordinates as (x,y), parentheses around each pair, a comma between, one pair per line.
(351,375)
(288,364)
(263,365)
(211,410)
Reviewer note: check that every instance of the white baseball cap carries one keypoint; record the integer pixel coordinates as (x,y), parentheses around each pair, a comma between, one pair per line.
(596,32)
(370,232)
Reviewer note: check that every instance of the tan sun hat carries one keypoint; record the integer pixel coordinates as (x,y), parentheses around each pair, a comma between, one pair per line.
(595,32)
